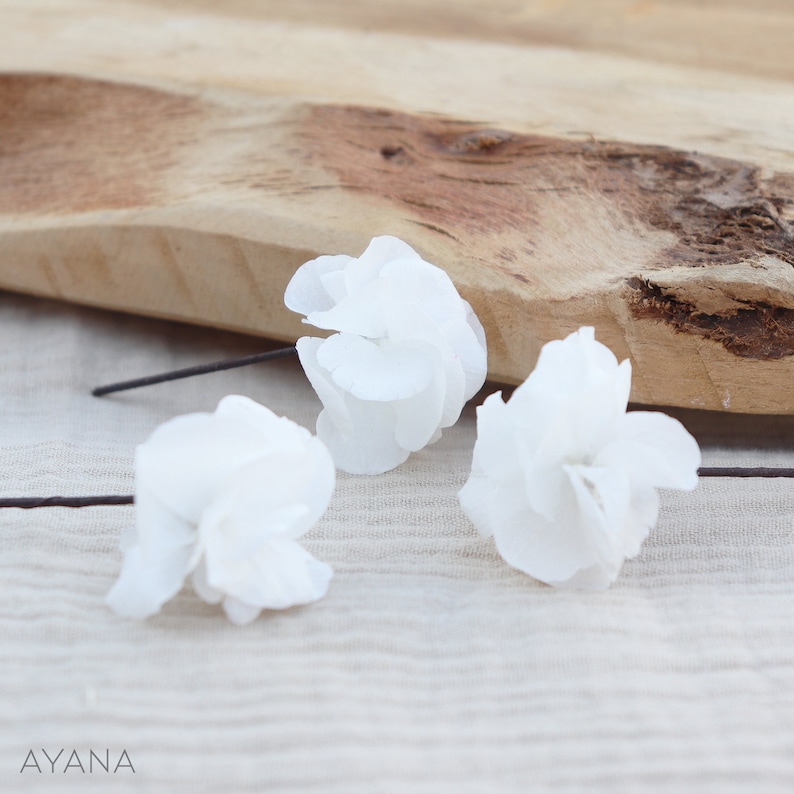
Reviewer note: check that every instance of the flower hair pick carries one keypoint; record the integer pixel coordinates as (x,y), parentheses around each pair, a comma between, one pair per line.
(407,354)
(223,498)
(563,478)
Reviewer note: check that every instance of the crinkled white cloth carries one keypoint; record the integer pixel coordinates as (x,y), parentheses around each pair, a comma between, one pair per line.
(431,666)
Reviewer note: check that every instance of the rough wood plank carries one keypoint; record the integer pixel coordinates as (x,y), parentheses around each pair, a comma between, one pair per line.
(550,90)
(171,192)
(731,36)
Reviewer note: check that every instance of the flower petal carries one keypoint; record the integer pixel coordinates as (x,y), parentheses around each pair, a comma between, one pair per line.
(474,323)
(358,433)
(369,265)
(474,499)
(281,495)
(550,551)
(495,451)
(494,459)
(281,574)
(657,449)
(269,431)
(603,496)
(370,446)
(375,371)
(469,354)
(203,590)
(577,364)
(407,324)
(386,248)
(417,418)
(239,612)
(643,513)
(426,286)
(596,577)
(146,582)
(186,460)
(567,426)
(331,396)
(545,486)
(359,312)
(312,288)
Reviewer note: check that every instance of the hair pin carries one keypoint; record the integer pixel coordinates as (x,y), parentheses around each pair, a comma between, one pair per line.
(199,369)
(370,302)
(220,498)
(223,499)
(406,354)
(565,479)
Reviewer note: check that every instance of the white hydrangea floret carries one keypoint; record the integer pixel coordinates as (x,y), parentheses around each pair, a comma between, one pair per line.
(224,497)
(407,354)
(563,477)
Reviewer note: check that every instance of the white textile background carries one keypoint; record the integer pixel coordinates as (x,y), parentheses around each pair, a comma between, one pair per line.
(431,666)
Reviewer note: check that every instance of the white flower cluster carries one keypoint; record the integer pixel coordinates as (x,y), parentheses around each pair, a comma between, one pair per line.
(224,497)
(563,478)
(407,354)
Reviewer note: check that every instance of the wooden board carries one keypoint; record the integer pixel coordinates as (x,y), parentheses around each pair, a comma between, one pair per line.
(632,169)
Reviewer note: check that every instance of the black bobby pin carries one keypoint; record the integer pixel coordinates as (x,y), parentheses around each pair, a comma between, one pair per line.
(200,369)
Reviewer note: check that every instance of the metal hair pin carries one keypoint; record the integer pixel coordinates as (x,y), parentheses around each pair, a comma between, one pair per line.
(200,369)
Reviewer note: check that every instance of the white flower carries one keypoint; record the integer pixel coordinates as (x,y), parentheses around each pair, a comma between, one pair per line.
(408,354)
(563,478)
(224,497)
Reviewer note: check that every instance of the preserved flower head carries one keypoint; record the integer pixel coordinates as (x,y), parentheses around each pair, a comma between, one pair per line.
(407,354)
(223,497)
(563,477)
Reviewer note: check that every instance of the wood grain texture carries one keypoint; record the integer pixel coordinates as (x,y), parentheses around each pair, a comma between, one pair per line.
(182,163)
(726,35)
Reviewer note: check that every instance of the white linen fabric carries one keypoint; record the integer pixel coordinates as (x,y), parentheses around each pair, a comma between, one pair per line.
(430,666)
